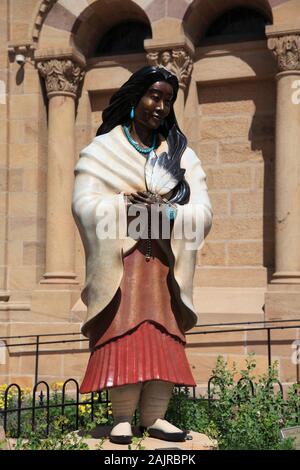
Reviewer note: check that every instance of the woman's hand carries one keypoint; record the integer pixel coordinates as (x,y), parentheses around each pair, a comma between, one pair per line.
(145,197)
(146,200)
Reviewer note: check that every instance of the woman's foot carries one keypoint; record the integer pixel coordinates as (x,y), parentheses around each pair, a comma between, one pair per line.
(121,433)
(162,429)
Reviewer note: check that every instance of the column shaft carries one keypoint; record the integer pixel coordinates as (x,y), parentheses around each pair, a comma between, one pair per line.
(61,150)
(287,181)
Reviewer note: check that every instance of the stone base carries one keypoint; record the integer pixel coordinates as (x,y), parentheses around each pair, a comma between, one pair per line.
(229,304)
(198,442)
(282,302)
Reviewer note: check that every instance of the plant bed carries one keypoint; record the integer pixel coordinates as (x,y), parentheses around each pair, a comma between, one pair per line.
(247,414)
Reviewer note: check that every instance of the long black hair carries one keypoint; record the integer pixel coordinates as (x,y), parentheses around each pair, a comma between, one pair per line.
(130,93)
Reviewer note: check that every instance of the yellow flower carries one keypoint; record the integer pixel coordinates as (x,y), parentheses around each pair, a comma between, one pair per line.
(25,392)
(57,386)
(85,409)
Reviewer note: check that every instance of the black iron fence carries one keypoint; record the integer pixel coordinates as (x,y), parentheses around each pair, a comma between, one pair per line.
(56,401)
(23,416)
(44,407)
(53,400)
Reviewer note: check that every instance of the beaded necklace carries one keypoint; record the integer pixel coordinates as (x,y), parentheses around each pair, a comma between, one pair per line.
(136,145)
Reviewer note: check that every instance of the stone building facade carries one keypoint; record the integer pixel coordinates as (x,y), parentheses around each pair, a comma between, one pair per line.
(238,63)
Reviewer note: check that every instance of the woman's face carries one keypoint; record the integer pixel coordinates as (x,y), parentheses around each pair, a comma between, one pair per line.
(155,105)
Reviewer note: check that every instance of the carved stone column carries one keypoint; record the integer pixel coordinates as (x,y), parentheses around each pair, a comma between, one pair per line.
(177,59)
(285,45)
(63,75)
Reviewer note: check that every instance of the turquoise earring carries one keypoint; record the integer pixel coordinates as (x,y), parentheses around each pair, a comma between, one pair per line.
(132,113)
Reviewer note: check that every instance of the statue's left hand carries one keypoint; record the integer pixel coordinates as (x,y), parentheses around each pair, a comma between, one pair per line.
(145,197)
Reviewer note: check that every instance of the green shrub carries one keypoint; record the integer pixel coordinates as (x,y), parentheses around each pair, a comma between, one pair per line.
(237,418)
(58,439)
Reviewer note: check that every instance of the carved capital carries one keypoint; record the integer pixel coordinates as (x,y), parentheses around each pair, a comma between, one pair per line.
(62,76)
(286,49)
(177,61)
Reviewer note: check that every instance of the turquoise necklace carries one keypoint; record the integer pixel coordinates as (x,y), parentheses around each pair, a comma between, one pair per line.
(136,145)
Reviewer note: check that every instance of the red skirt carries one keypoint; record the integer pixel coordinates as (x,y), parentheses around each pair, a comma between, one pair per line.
(147,353)
(143,340)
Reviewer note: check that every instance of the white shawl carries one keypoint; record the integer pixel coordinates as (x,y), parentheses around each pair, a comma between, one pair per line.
(108,168)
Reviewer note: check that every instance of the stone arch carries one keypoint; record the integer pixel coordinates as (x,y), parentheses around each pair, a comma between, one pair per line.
(67,11)
(62,23)
(98,19)
(41,13)
(202,13)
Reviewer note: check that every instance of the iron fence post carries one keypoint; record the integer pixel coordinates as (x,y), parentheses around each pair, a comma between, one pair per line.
(269,347)
(36,374)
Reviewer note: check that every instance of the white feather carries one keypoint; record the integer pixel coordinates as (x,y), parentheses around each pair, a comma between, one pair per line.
(158,179)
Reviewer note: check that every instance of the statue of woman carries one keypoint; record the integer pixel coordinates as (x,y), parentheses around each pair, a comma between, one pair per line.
(139,286)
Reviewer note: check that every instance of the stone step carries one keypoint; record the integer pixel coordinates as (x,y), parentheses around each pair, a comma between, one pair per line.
(231,276)
(225,319)
(217,305)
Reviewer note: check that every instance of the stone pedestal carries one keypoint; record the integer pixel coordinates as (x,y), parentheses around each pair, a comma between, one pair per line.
(282,302)
(197,441)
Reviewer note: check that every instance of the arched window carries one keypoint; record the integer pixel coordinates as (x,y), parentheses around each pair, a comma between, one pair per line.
(236,25)
(124,38)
